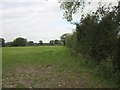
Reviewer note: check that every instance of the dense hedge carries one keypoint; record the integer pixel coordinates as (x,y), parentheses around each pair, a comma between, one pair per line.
(97,36)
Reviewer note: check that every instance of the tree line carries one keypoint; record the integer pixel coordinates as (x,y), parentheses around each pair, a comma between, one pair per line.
(97,35)
(23,42)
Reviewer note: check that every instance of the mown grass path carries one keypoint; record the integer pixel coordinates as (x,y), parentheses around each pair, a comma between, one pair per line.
(46,67)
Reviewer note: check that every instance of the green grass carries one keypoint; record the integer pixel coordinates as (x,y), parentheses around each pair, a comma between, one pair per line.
(47,67)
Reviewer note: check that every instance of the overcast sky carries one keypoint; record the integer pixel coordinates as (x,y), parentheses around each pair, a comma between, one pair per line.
(32,19)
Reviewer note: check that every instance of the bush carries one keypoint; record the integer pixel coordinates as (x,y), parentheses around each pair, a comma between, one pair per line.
(105,69)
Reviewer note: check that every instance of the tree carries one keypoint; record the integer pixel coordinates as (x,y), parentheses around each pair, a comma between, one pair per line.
(52,42)
(70,8)
(2,42)
(40,42)
(63,38)
(116,61)
(9,44)
(57,41)
(30,43)
(118,54)
(96,33)
(97,36)
(20,42)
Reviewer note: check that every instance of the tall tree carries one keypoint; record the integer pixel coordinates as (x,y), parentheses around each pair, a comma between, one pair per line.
(2,41)
(9,44)
(52,42)
(63,38)
(40,42)
(57,41)
(20,42)
(72,7)
(30,43)
(96,32)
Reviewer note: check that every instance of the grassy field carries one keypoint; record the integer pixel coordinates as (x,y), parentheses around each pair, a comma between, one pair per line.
(47,67)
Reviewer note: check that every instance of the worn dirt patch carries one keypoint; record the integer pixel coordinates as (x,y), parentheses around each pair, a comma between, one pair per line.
(43,76)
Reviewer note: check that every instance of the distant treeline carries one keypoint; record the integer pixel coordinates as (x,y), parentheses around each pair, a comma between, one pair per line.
(23,42)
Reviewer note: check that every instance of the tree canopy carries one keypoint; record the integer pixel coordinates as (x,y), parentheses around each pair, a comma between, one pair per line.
(71,8)
(97,33)
(20,42)
(2,42)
